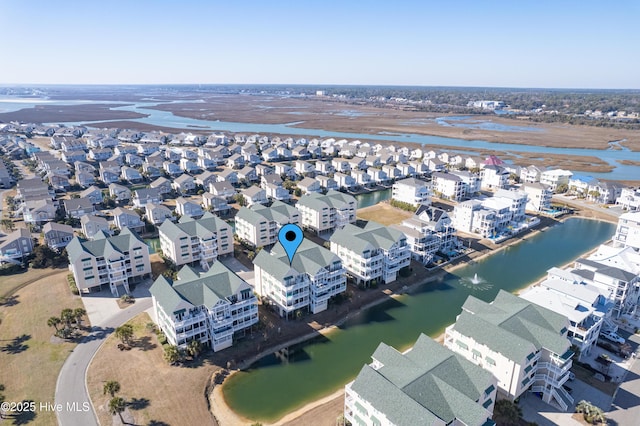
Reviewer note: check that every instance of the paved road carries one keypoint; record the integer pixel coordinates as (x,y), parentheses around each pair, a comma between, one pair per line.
(71,389)
(625,409)
(613,211)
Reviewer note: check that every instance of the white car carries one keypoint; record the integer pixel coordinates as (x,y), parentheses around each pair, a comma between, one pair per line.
(613,337)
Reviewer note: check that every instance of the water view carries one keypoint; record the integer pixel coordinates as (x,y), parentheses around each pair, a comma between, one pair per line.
(271,388)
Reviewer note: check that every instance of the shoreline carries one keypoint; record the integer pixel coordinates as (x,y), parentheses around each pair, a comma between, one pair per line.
(225,415)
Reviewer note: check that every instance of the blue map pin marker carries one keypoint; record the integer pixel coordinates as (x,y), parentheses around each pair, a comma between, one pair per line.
(290,237)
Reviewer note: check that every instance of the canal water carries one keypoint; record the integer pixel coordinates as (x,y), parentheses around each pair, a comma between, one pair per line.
(270,388)
(372,198)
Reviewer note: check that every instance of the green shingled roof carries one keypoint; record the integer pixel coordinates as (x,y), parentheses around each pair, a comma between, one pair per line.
(428,381)
(103,245)
(198,288)
(373,235)
(309,259)
(512,326)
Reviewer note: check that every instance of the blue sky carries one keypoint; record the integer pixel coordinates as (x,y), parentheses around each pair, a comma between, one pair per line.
(574,44)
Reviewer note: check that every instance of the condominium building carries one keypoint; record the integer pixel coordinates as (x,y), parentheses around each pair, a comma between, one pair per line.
(426,385)
(109,261)
(448,186)
(539,196)
(258,225)
(493,177)
(325,213)
(192,241)
(429,231)
(313,277)
(492,217)
(374,252)
(521,343)
(211,307)
(629,199)
(628,231)
(472,217)
(412,191)
(582,304)
(517,203)
(555,178)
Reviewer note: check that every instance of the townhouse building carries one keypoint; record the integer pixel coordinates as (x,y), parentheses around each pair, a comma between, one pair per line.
(555,178)
(448,186)
(325,213)
(525,346)
(308,282)
(538,196)
(412,191)
(91,225)
(212,307)
(16,245)
(428,232)
(582,304)
(373,253)
(426,385)
(113,262)
(196,241)
(628,231)
(259,225)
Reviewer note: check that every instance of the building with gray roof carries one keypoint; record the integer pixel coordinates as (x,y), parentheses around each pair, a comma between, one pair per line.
(212,306)
(325,213)
(111,261)
(308,282)
(193,241)
(374,252)
(524,345)
(426,385)
(258,225)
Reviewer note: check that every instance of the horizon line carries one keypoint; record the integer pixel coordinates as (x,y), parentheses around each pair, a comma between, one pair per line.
(317,85)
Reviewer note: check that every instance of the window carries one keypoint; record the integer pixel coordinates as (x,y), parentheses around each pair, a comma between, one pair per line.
(462,345)
(490,360)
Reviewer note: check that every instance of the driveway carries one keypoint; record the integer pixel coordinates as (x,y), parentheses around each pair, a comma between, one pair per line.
(625,409)
(71,389)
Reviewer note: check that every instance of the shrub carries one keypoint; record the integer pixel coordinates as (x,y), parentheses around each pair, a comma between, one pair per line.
(72,284)
(10,269)
(402,205)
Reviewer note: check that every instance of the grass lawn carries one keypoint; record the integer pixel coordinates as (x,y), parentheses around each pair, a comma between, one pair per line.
(384,213)
(587,377)
(154,390)
(30,361)
(10,283)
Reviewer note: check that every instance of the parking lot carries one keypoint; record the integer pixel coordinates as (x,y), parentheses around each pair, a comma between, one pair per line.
(623,406)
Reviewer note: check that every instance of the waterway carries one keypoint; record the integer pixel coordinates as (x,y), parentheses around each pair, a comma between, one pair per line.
(270,388)
(372,198)
(469,147)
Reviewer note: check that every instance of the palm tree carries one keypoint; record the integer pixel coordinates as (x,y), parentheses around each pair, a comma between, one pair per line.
(54,322)
(171,354)
(111,387)
(117,406)
(124,333)
(78,313)
(194,348)
(67,316)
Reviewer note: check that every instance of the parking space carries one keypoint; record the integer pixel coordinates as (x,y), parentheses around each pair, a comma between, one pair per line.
(103,305)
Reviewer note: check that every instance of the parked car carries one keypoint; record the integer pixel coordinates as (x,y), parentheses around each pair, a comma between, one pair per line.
(612,337)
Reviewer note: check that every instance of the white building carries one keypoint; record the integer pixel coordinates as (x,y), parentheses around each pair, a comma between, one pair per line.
(629,199)
(530,174)
(539,196)
(430,230)
(324,213)
(525,346)
(211,307)
(313,277)
(493,177)
(259,225)
(628,231)
(426,385)
(109,261)
(374,252)
(192,241)
(412,191)
(555,178)
(472,217)
(582,304)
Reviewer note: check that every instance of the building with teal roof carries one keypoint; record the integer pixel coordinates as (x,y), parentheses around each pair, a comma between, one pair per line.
(212,306)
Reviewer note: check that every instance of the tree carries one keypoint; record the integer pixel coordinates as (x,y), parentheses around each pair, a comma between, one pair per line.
(171,354)
(117,406)
(506,413)
(124,333)
(54,322)
(7,224)
(591,413)
(194,348)
(67,317)
(561,189)
(78,313)
(111,387)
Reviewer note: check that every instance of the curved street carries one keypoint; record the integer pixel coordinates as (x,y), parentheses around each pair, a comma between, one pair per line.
(71,388)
